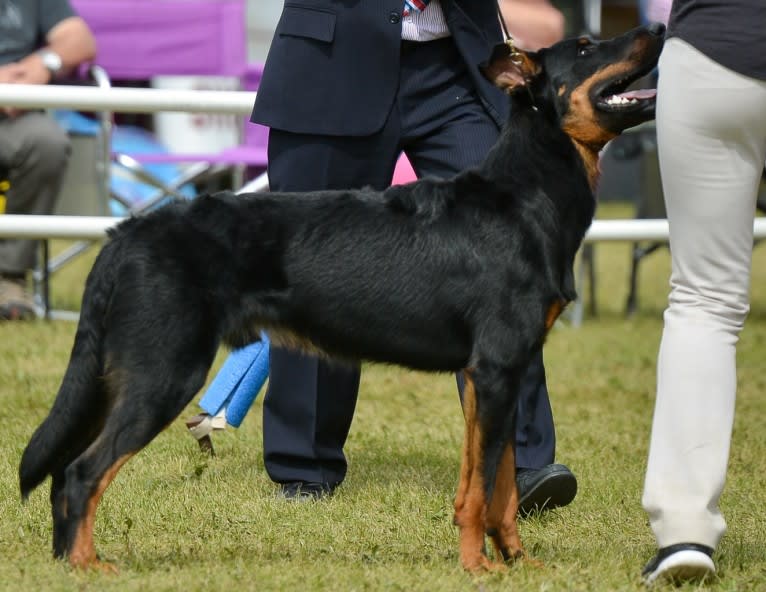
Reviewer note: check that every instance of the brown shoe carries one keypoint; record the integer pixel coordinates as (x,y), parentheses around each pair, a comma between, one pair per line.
(201,426)
(16,303)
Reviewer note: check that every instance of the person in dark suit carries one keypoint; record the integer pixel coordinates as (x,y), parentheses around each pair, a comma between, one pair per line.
(348,86)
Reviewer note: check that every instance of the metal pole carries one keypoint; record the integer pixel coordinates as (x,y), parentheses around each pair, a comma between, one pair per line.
(95,227)
(127,100)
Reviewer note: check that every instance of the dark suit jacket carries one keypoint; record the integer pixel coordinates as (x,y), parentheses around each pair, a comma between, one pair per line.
(333,66)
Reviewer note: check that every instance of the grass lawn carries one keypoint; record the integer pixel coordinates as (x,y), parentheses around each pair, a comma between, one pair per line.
(175,520)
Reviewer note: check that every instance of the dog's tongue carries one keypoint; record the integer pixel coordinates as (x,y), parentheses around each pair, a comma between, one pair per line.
(642,93)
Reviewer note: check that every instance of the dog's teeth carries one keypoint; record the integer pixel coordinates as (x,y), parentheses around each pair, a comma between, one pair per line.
(620,100)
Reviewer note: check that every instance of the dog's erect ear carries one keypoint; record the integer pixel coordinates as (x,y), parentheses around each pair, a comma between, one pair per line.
(509,68)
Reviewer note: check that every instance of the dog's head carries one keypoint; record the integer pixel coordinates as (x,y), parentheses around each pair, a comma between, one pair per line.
(583,82)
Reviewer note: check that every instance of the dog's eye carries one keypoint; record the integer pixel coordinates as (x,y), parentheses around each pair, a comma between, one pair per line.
(585,47)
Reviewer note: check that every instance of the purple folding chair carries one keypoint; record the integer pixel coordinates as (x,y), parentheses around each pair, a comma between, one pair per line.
(141,39)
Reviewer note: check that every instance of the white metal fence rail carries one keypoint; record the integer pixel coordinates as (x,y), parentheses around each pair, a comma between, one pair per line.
(150,100)
(125,100)
(95,227)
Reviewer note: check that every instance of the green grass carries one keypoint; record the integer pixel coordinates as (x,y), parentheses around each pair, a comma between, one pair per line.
(174,520)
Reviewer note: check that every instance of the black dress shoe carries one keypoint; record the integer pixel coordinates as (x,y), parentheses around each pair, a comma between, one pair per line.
(543,489)
(302,491)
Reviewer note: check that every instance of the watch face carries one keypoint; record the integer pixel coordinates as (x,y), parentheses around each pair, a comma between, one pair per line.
(51,60)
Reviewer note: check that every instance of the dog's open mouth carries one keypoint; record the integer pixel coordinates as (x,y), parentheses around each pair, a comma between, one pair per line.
(628,100)
(614,96)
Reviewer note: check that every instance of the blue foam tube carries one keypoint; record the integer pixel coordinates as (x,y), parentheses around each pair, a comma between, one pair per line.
(238,382)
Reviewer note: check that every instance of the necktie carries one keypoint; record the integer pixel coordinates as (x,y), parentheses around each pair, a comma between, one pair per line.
(414,6)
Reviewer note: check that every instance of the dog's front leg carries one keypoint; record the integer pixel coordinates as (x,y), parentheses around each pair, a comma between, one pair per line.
(498,392)
(501,517)
(470,502)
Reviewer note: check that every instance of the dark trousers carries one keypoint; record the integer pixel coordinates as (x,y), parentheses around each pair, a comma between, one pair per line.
(439,122)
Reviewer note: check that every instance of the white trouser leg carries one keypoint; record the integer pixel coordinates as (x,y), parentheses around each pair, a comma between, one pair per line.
(712,144)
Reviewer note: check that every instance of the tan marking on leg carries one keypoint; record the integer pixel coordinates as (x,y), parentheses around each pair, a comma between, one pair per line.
(501,517)
(83,552)
(465,459)
(470,503)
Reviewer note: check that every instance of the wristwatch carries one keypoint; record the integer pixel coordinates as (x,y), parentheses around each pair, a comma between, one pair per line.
(51,60)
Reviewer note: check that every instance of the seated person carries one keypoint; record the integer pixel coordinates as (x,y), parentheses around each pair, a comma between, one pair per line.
(39,40)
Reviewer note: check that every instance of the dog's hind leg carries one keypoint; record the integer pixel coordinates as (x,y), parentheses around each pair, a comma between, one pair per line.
(77,444)
(58,509)
(146,402)
(86,481)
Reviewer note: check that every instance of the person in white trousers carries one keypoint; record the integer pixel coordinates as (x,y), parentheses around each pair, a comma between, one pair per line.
(711,133)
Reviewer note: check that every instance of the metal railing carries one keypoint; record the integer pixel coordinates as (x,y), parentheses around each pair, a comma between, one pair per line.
(151,100)
(95,227)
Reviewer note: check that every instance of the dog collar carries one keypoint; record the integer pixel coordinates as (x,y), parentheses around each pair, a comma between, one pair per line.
(514,53)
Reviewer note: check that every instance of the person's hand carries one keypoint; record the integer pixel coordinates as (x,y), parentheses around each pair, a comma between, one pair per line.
(30,70)
(10,72)
(533,24)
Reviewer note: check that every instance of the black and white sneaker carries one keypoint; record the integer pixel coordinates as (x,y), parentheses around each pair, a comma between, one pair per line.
(679,563)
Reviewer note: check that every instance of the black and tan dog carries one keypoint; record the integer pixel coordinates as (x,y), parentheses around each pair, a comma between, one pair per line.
(462,274)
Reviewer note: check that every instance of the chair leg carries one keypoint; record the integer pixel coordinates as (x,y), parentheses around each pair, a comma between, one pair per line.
(591,252)
(639,253)
(47,280)
(576,311)
(631,304)
(41,281)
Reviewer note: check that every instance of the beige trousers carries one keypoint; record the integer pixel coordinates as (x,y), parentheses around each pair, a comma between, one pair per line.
(711,126)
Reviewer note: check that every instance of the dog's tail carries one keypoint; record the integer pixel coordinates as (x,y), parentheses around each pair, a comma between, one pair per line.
(69,427)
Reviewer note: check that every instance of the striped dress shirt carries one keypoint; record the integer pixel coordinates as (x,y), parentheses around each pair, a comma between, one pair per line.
(427,25)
